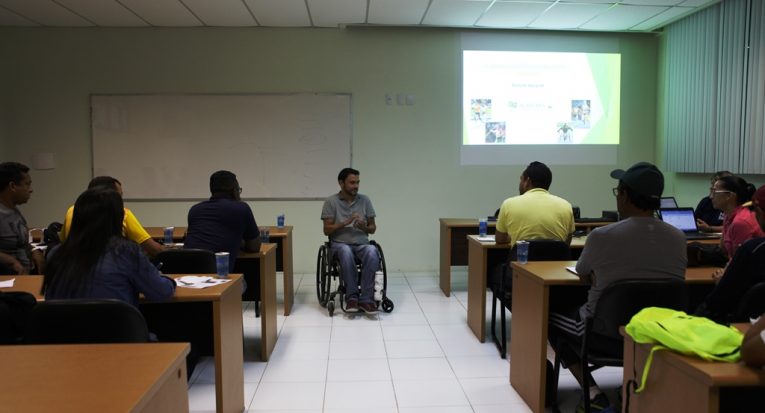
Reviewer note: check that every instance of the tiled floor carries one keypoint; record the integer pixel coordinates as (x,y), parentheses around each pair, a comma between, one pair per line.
(420,358)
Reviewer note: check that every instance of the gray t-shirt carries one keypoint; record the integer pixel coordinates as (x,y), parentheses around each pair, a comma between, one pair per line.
(14,235)
(637,247)
(337,208)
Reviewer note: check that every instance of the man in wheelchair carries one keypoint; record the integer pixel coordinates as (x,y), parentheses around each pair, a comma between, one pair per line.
(348,219)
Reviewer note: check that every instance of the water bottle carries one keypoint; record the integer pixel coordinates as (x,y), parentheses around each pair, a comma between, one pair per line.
(221,264)
(265,235)
(483,227)
(280,221)
(169,235)
(379,281)
(522,252)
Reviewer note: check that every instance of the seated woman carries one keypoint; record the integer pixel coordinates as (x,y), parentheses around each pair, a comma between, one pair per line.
(729,194)
(743,271)
(95,261)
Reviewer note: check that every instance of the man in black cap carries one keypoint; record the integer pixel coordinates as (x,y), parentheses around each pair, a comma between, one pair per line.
(638,246)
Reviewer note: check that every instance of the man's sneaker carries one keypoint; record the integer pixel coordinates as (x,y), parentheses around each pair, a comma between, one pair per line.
(369,308)
(599,404)
(352,306)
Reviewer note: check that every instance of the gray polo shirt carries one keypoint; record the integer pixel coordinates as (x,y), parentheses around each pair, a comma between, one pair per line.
(337,208)
(14,235)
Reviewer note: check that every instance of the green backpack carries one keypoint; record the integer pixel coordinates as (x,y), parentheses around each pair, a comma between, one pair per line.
(678,331)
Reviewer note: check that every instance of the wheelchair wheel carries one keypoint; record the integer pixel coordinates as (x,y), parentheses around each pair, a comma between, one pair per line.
(387,305)
(322,276)
(331,308)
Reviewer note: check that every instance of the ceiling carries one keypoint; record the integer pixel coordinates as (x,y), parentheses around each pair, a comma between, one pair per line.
(586,15)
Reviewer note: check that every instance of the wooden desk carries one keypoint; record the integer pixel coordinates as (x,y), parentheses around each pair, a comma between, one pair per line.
(697,386)
(479,255)
(226,304)
(282,237)
(454,244)
(260,267)
(144,378)
(531,303)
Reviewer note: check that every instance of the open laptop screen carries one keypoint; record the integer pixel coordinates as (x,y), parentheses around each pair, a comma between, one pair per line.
(680,218)
(668,202)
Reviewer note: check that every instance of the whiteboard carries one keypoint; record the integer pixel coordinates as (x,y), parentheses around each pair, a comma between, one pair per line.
(280,146)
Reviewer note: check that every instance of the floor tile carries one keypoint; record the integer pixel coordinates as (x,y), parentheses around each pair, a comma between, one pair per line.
(278,396)
(291,370)
(420,393)
(413,348)
(421,369)
(359,395)
(358,370)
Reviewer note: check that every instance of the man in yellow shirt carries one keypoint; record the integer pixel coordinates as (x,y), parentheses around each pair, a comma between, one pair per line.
(131,228)
(535,213)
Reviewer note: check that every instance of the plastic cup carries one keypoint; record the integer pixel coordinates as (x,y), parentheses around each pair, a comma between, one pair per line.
(483,227)
(169,235)
(221,264)
(522,252)
(280,221)
(265,235)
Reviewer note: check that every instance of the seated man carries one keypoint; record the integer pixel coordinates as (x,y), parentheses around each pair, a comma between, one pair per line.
(638,246)
(535,213)
(131,228)
(223,223)
(348,217)
(744,270)
(16,255)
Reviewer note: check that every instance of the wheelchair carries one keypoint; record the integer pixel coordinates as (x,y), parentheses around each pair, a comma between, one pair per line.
(328,275)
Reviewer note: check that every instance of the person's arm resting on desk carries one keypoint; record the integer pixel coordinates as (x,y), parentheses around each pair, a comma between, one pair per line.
(251,245)
(501,237)
(12,263)
(753,346)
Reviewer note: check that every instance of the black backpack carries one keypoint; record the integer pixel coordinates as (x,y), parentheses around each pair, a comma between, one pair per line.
(50,234)
(15,308)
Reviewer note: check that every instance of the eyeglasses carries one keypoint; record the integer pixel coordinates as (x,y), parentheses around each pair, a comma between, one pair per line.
(715,192)
(615,191)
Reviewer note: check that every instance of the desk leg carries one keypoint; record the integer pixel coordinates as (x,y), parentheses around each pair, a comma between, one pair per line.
(528,346)
(267,305)
(289,289)
(229,358)
(445,274)
(476,305)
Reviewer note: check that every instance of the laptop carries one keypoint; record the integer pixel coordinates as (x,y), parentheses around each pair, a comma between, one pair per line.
(668,202)
(684,220)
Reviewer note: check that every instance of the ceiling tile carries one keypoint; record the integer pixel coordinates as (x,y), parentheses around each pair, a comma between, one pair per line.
(104,13)
(454,12)
(512,15)
(221,12)
(331,13)
(620,17)
(8,18)
(45,12)
(282,13)
(165,13)
(396,11)
(663,19)
(650,2)
(564,16)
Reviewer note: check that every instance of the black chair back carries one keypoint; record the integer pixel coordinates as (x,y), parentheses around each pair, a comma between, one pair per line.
(187,261)
(545,250)
(752,304)
(623,299)
(85,321)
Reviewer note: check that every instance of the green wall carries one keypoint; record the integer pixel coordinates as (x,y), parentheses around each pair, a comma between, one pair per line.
(408,155)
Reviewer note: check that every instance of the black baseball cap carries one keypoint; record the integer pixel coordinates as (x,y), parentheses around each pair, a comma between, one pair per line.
(643,178)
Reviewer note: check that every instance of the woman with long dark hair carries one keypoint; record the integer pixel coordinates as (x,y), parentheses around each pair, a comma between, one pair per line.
(729,194)
(95,261)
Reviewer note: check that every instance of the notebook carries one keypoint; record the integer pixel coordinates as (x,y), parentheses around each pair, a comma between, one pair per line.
(684,220)
(668,202)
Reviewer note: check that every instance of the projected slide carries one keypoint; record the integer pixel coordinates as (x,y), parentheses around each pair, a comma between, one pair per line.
(540,98)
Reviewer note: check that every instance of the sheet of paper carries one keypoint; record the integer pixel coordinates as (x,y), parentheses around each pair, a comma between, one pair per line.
(487,238)
(572,270)
(199,281)
(7,283)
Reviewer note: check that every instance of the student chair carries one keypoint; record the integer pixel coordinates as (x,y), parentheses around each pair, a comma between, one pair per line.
(85,321)
(616,306)
(502,284)
(327,270)
(187,261)
(752,304)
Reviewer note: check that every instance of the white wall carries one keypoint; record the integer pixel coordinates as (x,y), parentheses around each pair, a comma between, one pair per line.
(408,155)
